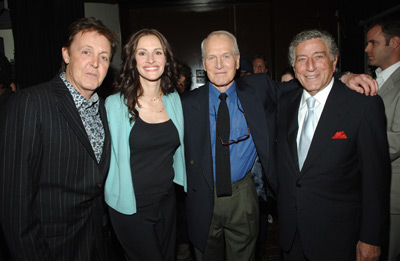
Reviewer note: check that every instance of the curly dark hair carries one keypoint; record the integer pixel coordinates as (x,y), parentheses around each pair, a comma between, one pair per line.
(128,83)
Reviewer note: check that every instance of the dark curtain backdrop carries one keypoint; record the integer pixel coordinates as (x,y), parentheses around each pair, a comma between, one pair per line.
(39,28)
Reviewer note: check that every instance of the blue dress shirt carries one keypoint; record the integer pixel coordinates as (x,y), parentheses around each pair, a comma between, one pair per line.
(243,153)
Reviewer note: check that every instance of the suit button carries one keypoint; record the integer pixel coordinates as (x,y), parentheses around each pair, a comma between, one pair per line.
(295,208)
(298,185)
(99,185)
(193,189)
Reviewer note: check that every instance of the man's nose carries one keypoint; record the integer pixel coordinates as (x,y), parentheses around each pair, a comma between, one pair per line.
(310,65)
(95,61)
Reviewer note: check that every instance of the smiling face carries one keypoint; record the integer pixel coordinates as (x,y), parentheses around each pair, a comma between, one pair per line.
(150,59)
(87,59)
(220,62)
(313,65)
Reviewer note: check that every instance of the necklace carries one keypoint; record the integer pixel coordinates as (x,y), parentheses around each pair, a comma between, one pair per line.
(157,107)
(159,110)
(152,104)
(152,98)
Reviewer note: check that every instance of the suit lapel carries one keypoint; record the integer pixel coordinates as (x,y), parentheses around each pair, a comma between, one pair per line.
(388,85)
(200,133)
(68,109)
(331,118)
(293,125)
(107,138)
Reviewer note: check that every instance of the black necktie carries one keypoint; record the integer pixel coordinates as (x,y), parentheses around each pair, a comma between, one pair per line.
(222,158)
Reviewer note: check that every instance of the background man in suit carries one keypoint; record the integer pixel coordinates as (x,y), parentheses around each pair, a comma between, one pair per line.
(383,49)
(333,162)
(219,221)
(55,149)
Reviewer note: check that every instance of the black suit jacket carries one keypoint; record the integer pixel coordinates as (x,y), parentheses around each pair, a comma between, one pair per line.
(51,184)
(258,95)
(341,194)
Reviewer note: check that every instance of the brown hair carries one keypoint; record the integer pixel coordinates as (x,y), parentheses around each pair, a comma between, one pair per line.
(128,82)
(90,24)
(390,27)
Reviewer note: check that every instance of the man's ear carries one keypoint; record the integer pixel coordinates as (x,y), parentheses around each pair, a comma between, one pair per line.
(65,54)
(335,63)
(395,42)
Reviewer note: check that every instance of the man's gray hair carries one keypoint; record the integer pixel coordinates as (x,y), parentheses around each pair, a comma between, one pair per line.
(221,32)
(313,34)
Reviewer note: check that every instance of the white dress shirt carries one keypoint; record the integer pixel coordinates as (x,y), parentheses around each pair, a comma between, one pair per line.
(385,74)
(320,98)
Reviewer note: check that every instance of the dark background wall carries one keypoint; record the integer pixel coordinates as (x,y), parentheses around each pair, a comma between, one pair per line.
(261,27)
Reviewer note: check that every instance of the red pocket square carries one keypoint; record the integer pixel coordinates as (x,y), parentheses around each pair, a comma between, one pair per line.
(339,135)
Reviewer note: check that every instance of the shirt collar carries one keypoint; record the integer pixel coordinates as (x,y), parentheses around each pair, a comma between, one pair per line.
(320,97)
(214,94)
(388,71)
(79,100)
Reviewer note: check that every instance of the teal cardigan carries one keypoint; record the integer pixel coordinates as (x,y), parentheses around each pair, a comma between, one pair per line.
(119,192)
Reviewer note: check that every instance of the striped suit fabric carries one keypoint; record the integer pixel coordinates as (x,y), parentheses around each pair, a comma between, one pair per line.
(51,187)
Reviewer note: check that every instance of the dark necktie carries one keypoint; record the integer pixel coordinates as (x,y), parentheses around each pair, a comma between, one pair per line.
(222,157)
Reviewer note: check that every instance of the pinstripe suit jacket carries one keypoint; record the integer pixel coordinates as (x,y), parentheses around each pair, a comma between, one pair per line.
(51,184)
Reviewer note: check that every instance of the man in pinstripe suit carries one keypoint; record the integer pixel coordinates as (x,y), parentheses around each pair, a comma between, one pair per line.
(54,155)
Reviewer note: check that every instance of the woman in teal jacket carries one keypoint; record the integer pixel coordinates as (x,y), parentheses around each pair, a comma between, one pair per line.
(146,125)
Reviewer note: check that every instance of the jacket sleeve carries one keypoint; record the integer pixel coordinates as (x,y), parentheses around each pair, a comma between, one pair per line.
(21,150)
(174,102)
(394,129)
(375,170)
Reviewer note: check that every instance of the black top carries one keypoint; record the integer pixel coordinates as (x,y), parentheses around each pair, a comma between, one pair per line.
(152,148)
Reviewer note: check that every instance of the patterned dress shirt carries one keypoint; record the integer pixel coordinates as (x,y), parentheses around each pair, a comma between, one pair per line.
(90,116)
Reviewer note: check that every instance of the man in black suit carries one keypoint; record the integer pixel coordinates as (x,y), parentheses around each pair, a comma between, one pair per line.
(218,222)
(55,149)
(333,161)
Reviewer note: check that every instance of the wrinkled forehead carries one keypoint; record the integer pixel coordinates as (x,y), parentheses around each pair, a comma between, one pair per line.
(219,43)
(311,46)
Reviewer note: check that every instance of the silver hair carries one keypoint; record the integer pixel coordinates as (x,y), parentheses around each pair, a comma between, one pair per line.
(221,32)
(313,34)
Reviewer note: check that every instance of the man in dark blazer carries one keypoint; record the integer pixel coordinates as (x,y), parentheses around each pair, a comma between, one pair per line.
(206,230)
(55,149)
(216,223)
(334,205)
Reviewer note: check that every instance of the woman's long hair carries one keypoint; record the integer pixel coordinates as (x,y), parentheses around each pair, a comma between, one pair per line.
(128,83)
